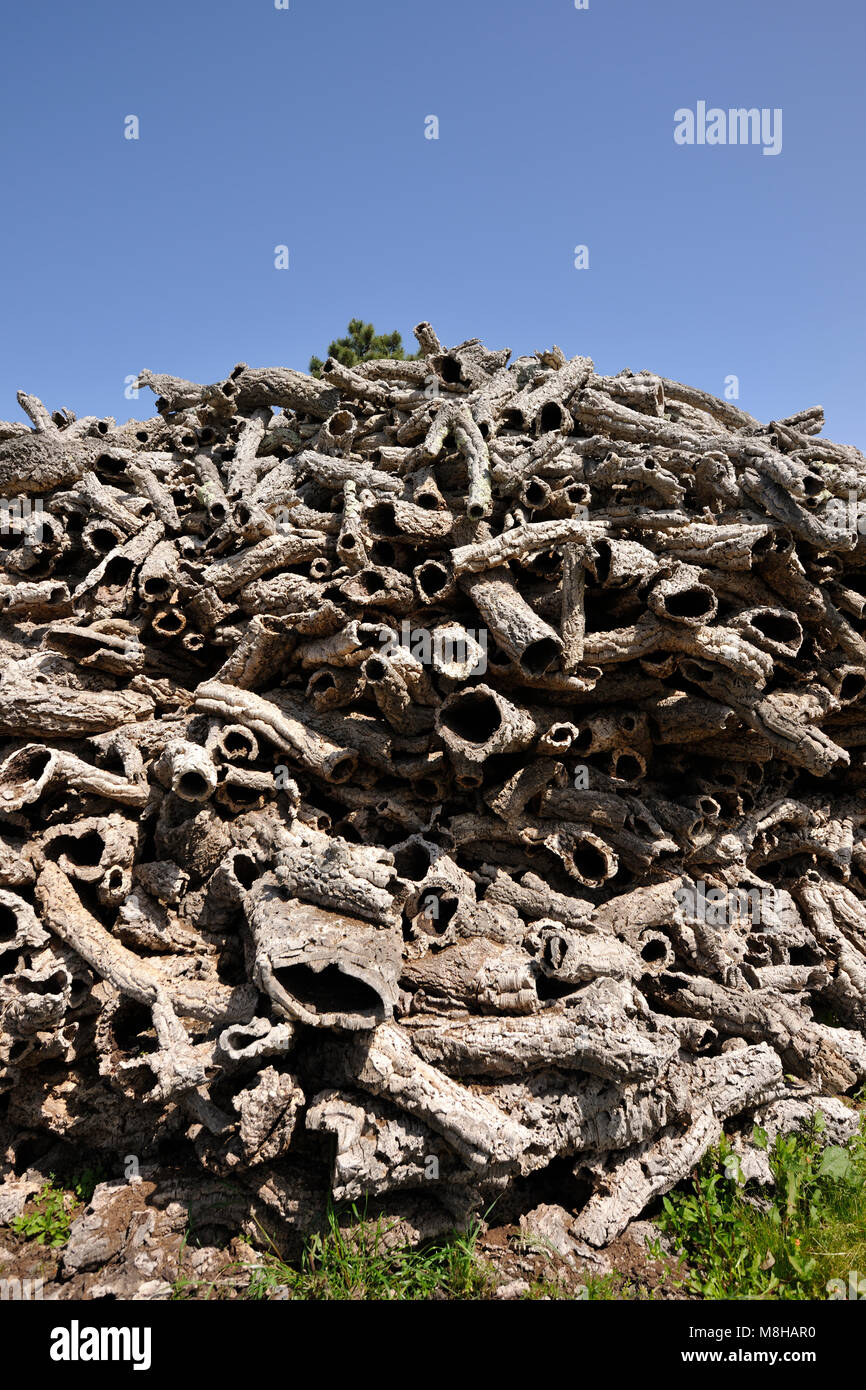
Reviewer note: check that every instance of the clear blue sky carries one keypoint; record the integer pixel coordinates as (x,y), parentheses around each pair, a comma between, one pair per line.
(305,127)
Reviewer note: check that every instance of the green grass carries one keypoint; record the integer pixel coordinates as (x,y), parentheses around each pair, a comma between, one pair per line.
(813,1230)
(358,1263)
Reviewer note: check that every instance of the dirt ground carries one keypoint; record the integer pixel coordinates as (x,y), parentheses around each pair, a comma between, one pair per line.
(132,1241)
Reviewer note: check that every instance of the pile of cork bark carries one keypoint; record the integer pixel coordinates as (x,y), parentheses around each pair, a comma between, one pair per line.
(427,776)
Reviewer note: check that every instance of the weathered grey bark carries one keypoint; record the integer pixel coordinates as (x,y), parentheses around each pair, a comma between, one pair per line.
(265,717)
(320,967)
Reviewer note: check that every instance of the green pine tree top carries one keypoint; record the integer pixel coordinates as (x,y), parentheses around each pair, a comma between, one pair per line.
(363,344)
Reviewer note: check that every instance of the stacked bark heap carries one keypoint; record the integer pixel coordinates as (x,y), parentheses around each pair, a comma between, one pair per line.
(416,918)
